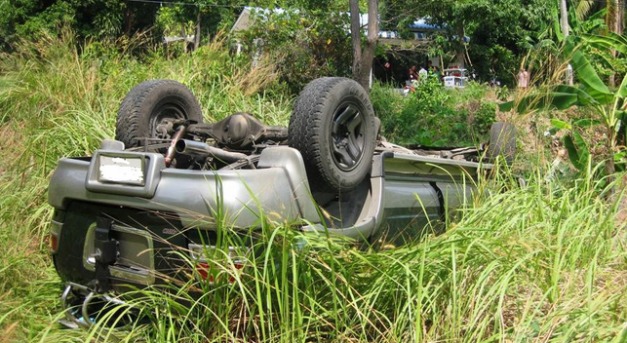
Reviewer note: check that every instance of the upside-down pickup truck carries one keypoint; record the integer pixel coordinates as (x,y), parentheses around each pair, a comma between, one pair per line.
(169,181)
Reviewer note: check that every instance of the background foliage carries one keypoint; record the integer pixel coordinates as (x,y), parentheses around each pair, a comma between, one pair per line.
(311,36)
(431,115)
(305,44)
(496,31)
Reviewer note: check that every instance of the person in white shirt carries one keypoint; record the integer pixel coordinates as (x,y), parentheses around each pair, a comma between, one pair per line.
(422,73)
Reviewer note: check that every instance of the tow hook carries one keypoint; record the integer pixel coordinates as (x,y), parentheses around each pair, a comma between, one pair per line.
(81,312)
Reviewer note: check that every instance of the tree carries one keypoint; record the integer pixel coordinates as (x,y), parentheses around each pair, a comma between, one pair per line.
(614,19)
(320,13)
(497,30)
(362,58)
(306,39)
(200,18)
(101,19)
(608,105)
(615,12)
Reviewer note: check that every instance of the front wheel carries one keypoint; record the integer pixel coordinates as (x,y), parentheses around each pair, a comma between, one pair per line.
(333,127)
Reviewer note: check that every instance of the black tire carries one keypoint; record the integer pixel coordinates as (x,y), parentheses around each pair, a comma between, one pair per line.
(502,142)
(333,127)
(149,103)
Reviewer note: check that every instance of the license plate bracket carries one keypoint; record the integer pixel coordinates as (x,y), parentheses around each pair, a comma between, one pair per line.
(122,169)
(125,172)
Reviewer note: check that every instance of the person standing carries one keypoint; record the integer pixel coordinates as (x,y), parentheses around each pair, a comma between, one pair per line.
(387,69)
(413,74)
(523,79)
(422,74)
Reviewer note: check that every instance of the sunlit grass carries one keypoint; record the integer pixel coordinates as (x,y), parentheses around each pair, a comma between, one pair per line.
(544,262)
(540,262)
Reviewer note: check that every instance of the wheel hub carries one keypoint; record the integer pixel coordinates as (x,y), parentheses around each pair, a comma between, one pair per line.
(347,137)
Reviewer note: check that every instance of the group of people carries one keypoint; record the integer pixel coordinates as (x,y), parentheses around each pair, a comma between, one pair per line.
(411,76)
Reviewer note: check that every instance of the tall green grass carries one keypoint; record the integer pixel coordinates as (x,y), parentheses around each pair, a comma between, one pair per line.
(544,262)
(54,102)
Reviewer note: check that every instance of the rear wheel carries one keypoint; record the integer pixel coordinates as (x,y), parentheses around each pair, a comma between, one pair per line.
(148,106)
(333,127)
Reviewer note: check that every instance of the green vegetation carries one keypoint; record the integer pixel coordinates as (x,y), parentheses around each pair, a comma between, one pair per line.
(542,262)
(605,103)
(305,43)
(55,102)
(497,31)
(431,115)
(312,39)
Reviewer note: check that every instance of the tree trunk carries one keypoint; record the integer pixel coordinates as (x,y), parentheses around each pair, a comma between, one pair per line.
(128,21)
(614,21)
(620,18)
(197,36)
(363,58)
(564,18)
(355,37)
(565,31)
(185,42)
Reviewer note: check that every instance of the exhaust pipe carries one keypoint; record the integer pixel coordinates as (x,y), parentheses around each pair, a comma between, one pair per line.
(169,156)
(189,147)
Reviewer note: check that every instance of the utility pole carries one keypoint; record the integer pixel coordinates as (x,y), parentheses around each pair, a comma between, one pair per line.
(565,32)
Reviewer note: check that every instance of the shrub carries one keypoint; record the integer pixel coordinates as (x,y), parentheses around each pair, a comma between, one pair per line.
(434,116)
(303,45)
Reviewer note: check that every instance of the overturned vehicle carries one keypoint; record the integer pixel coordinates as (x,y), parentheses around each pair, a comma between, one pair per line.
(170,181)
